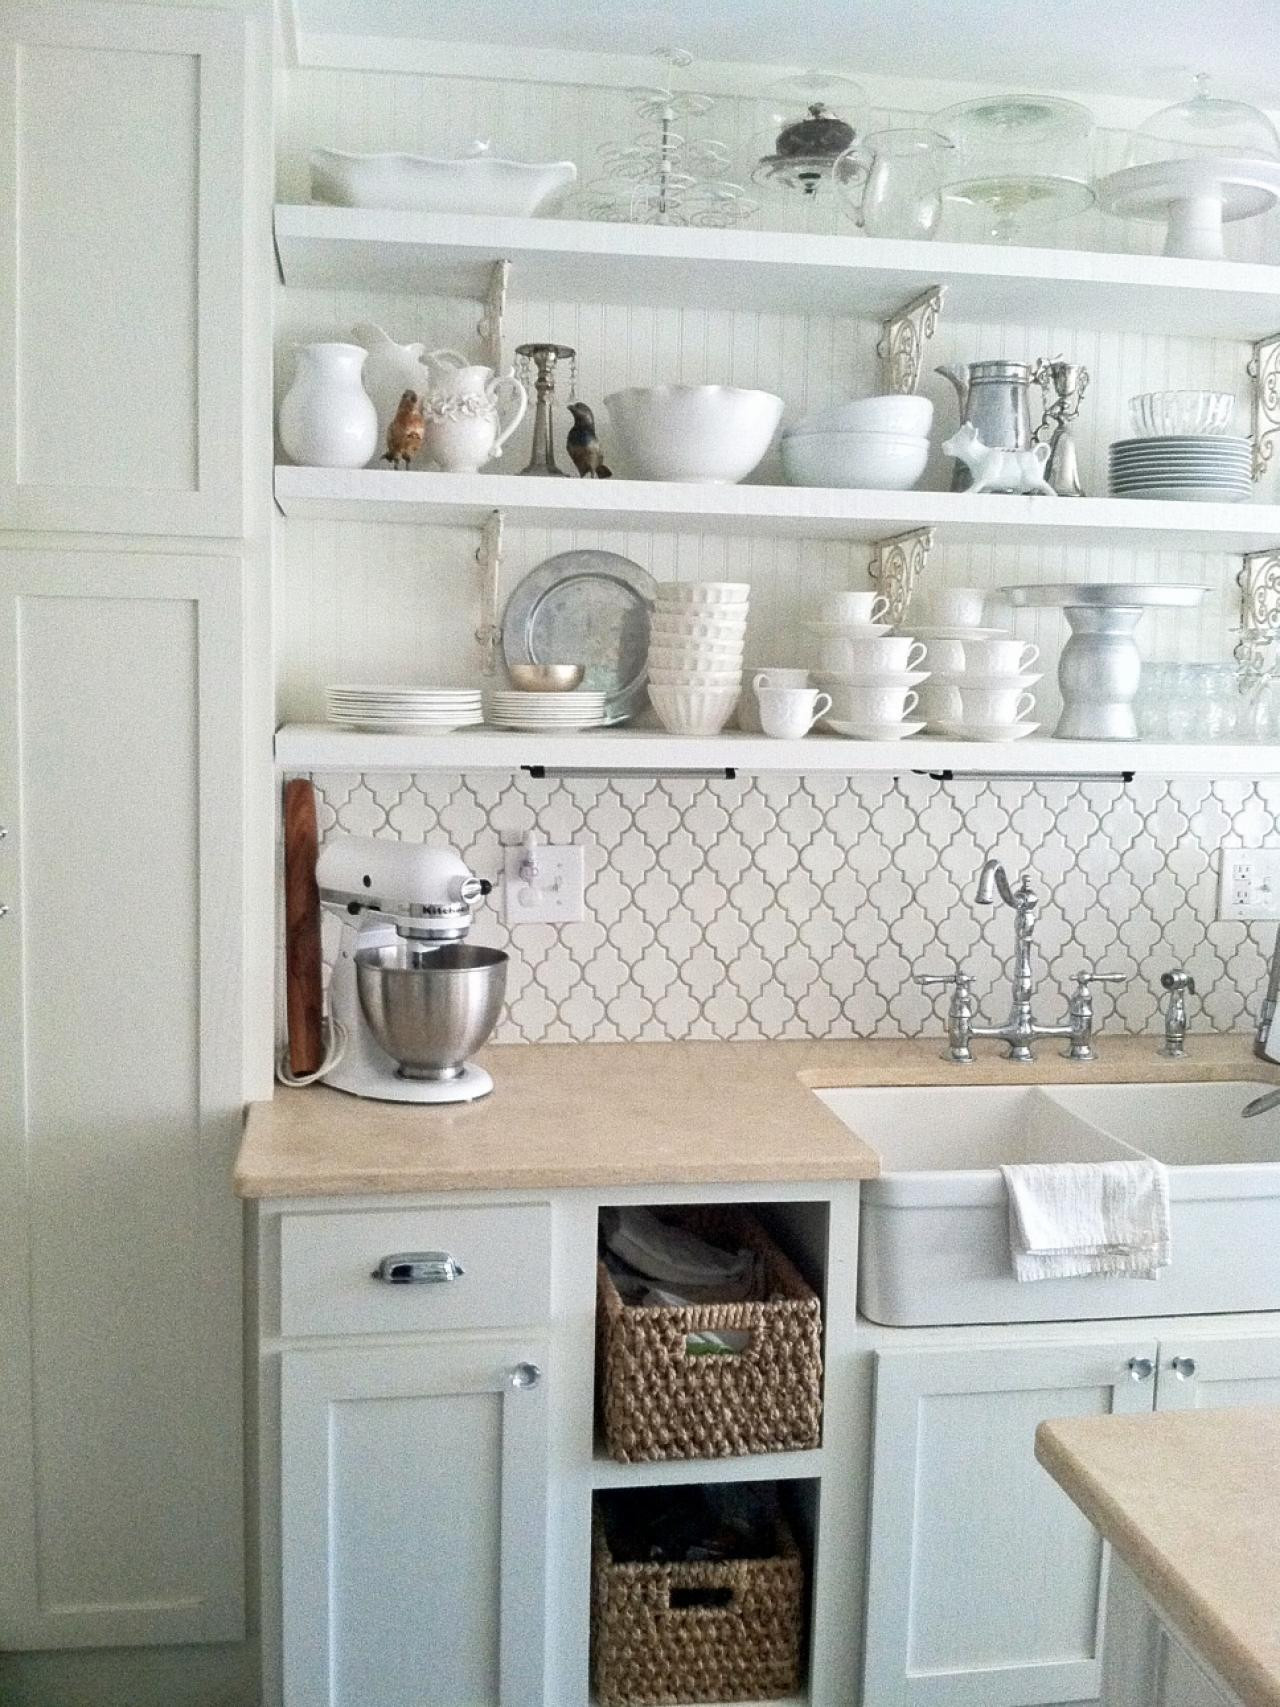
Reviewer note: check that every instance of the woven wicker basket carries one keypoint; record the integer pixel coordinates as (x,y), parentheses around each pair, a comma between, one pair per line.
(699,1632)
(659,1401)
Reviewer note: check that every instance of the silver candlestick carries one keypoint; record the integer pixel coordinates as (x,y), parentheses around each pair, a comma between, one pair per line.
(537,369)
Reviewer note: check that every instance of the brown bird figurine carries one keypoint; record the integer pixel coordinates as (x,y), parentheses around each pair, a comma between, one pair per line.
(583,445)
(404,434)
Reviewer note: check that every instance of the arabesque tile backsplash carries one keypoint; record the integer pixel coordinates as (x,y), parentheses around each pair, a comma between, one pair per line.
(801,906)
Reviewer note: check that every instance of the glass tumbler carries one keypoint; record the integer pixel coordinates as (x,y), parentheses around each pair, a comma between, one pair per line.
(891,182)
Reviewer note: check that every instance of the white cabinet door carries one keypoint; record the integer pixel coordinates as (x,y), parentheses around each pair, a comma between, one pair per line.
(121,1483)
(1204,1370)
(986,1587)
(413,1495)
(122,173)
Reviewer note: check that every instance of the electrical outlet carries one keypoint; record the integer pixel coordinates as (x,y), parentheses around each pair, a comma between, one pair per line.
(544,885)
(1249,884)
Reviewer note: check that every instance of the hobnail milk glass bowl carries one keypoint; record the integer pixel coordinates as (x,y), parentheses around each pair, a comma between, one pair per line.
(1182,414)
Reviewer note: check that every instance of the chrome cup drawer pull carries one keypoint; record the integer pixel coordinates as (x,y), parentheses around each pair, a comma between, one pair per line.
(418,1268)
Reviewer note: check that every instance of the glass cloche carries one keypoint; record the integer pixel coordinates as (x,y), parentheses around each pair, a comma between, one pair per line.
(1205,124)
(806,122)
(1021,159)
(1195,167)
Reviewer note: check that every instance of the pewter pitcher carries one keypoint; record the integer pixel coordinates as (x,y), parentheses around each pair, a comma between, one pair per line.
(995,401)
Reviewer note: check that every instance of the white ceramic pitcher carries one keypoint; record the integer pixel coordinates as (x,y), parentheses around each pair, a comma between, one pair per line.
(391,370)
(462,407)
(327,420)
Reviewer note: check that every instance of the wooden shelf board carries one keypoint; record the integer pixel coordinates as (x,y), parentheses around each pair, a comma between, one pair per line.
(800,512)
(320,747)
(789,272)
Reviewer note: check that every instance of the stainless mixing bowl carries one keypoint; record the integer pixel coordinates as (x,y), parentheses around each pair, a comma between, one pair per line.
(429,1008)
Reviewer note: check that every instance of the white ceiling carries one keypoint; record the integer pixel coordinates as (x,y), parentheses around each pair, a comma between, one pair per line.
(1143,48)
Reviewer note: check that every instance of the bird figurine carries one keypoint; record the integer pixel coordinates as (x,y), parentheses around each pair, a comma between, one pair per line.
(405,431)
(583,445)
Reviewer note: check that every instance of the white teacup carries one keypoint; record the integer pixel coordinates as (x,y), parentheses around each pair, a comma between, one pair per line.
(946,656)
(873,702)
(853,608)
(994,705)
(789,713)
(870,655)
(996,657)
(772,677)
(955,607)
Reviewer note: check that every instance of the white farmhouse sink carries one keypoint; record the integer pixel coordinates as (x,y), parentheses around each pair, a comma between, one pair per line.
(935,1239)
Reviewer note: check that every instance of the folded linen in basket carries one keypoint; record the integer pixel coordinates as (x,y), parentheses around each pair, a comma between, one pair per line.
(1081,1218)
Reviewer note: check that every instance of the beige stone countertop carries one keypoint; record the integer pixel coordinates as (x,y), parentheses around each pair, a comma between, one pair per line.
(606,1114)
(1190,1500)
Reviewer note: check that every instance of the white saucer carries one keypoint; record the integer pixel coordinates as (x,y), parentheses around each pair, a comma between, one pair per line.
(919,632)
(872,731)
(984,731)
(854,630)
(984,684)
(884,679)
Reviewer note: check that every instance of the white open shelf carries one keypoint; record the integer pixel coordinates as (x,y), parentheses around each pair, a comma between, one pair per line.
(791,272)
(606,1472)
(798,512)
(320,747)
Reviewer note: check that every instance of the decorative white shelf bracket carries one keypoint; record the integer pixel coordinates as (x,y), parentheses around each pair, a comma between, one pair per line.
(489,557)
(1259,582)
(904,337)
(490,324)
(1264,371)
(897,565)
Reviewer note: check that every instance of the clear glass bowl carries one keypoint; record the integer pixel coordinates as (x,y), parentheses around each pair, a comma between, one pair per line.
(1181,414)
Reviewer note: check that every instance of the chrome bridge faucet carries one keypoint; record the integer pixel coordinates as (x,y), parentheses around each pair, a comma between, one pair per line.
(1021,1029)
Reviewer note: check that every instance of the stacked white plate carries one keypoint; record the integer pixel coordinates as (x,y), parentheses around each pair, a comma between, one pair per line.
(394,710)
(1189,468)
(696,636)
(507,708)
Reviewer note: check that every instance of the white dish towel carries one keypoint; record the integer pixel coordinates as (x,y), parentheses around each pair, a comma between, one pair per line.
(1081,1218)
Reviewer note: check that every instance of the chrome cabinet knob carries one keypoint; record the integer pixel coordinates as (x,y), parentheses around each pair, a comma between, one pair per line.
(1183,1367)
(418,1268)
(1141,1368)
(525,1375)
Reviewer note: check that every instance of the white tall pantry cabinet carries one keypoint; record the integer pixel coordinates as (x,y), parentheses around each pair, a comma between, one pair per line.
(127,448)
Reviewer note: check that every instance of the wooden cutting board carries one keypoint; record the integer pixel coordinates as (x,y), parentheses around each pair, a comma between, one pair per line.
(304,988)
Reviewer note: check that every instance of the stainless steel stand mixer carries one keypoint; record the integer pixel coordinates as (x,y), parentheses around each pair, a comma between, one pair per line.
(409,1000)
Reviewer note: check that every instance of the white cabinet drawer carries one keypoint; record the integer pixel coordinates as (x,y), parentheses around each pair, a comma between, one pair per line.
(500,1260)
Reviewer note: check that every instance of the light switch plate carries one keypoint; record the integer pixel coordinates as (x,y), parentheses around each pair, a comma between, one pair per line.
(1249,884)
(550,893)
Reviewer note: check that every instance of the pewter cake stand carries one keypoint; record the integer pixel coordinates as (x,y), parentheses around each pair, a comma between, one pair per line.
(1100,666)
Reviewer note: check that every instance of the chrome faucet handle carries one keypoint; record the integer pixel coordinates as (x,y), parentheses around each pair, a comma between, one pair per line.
(1180,984)
(959,1013)
(1080,1012)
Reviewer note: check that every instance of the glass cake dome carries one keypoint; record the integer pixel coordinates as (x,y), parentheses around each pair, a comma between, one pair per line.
(1204,125)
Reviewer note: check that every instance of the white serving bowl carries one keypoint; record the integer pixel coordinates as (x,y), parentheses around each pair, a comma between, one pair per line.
(679,630)
(883,462)
(694,711)
(714,433)
(676,595)
(415,183)
(909,416)
(695,657)
(695,678)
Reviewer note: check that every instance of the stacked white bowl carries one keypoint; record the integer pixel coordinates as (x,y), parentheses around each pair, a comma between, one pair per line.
(869,672)
(1184,450)
(876,443)
(696,636)
(979,686)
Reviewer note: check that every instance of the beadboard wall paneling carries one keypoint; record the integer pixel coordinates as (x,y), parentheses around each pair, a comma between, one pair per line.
(802,906)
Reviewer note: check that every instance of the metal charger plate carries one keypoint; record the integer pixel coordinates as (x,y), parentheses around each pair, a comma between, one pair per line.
(590,608)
